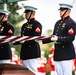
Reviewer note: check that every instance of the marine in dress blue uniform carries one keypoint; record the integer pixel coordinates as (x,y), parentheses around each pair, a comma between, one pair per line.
(64,34)
(30,50)
(6,29)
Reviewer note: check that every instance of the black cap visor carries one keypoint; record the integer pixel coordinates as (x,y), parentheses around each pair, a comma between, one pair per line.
(28,11)
(2,14)
(62,9)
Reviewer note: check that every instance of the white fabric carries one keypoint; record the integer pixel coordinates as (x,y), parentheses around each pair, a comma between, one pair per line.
(53,73)
(4,61)
(64,67)
(31,64)
(41,73)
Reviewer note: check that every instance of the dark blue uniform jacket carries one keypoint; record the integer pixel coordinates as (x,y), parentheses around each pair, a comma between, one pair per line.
(30,49)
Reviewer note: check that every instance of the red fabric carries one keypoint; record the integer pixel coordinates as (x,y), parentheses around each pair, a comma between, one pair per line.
(42,64)
(42,69)
(10,31)
(52,68)
(52,49)
(50,63)
(75,64)
(38,30)
(71,31)
(12,61)
(75,61)
(19,62)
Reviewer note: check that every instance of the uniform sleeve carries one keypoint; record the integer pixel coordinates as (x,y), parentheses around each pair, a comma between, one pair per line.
(37,29)
(46,41)
(71,31)
(10,30)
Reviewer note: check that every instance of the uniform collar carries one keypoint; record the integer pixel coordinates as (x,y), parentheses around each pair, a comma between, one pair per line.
(4,23)
(66,18)
(31,19)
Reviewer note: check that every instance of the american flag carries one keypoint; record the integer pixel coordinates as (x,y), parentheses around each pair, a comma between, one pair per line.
(12,39)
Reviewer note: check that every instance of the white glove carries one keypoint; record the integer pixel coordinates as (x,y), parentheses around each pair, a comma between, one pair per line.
(54,38)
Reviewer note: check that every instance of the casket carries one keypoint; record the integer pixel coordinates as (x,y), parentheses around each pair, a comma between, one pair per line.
(13,69)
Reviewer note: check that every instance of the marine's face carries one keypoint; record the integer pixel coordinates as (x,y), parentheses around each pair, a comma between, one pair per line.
(65,13)
(62,12)
(27,15)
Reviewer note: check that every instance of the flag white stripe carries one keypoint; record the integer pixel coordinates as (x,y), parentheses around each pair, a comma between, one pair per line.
(2,37)
(7,40)
(19,39)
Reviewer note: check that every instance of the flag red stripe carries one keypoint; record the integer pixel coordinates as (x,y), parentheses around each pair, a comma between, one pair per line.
(3,39)
(15,38)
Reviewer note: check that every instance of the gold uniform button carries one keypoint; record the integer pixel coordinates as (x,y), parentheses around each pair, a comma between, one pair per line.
(64,37)
(23,31)
(56,33)
(61,21)
(62,46)
(24,28)
(59,24)
(58,27)
(57,30)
